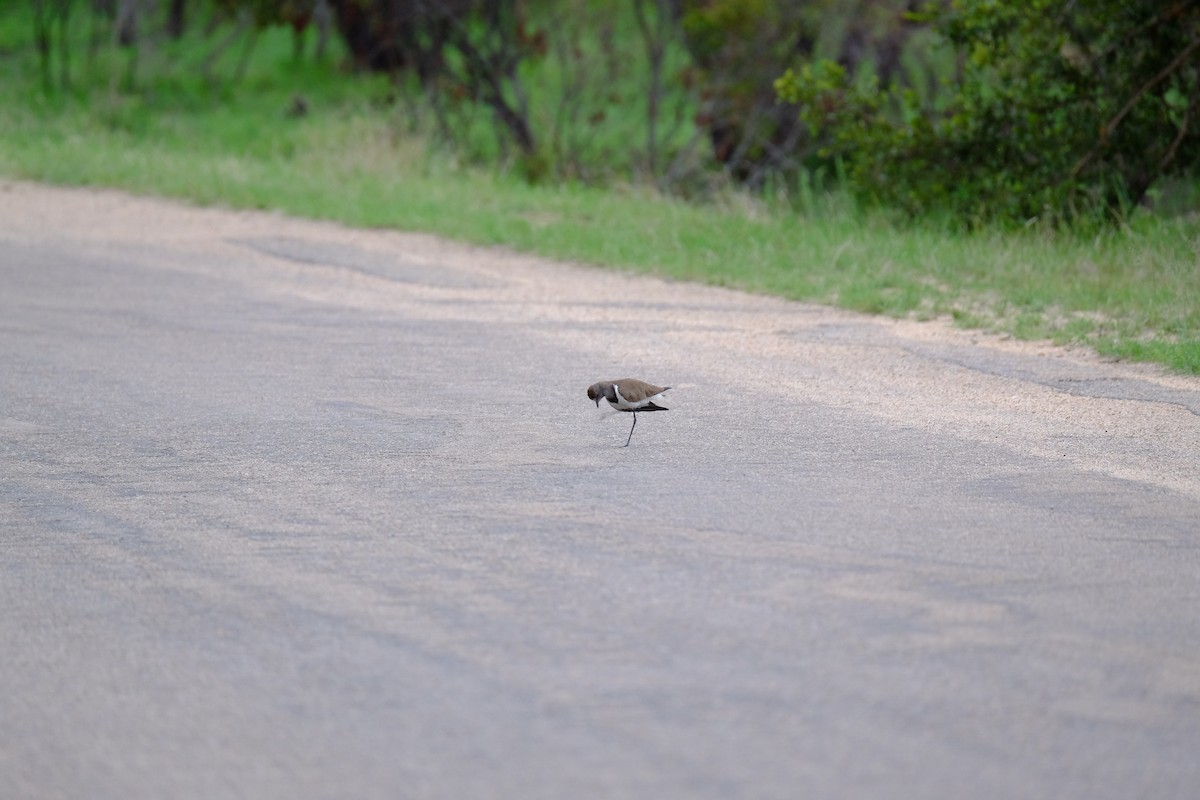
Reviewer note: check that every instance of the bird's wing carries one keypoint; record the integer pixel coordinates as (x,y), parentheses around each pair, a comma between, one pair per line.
(635,391)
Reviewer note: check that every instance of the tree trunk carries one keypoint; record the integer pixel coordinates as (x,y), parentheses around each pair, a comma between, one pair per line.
(176,18)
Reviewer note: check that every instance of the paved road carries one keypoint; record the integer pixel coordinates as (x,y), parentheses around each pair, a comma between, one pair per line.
(294,511)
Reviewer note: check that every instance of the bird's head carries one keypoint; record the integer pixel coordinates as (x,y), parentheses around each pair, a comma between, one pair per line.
(596,392)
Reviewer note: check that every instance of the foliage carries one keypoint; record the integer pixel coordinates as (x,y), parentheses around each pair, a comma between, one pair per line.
(739,47)
(1062,110)
(605,79)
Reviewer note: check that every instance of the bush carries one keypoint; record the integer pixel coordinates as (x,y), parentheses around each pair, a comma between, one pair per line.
(739,47)
(1058,112)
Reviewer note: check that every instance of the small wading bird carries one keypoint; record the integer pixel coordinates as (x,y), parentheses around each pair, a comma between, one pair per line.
(628,394)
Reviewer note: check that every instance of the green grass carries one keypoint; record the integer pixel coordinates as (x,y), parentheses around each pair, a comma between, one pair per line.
(1130,293)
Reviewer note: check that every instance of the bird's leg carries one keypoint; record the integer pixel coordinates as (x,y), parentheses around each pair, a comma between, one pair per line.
(631,429)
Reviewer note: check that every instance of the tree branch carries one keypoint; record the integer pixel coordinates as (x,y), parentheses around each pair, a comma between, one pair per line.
(1170,154)
(1110,126)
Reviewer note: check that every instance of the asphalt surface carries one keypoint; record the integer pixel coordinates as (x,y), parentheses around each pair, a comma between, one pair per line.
(294,511)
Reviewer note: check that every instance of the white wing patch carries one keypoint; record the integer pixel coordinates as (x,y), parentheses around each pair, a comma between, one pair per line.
(621,401)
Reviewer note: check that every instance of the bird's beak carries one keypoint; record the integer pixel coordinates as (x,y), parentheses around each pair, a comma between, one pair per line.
(597,402)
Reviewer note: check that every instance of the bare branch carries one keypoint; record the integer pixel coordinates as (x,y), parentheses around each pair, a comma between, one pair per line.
(1107,129)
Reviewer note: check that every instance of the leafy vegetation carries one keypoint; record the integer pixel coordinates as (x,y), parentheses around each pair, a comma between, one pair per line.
(1060,111)
(243,116)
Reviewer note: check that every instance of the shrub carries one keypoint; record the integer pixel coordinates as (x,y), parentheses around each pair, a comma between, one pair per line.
(1060,111)
(739,47)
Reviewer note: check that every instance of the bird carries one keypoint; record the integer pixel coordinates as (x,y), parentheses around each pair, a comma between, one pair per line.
(628,394)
